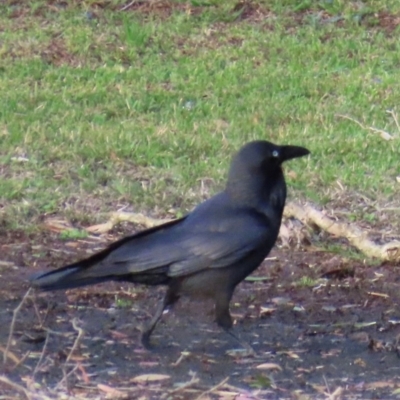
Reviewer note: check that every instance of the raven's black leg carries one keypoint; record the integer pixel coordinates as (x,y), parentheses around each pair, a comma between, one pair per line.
(169,299)
(224,319)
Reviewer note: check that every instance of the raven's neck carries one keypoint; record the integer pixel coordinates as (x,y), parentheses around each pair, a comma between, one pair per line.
(264,193)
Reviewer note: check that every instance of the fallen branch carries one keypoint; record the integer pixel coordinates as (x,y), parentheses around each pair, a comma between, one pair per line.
(121,216)
(307,214)
(357,238)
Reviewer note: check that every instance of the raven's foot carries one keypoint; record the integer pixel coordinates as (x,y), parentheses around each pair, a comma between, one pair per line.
(247,349)
(145,339)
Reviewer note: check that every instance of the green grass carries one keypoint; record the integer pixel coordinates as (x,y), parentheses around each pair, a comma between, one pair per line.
(121,302)
(73,234)
(306,281)
(102,108)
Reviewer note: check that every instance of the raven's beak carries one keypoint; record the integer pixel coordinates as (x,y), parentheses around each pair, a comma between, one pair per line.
(289,152)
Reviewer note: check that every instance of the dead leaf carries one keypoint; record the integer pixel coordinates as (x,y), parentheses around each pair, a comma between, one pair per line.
(319,388)
(74,245)
(100,228)
(56,224)
(290,354)
(360,325)
(329,308)
(379,384)
(6,264)
(118,335)
(149,378)
(285,234)
(20,159)
(110,391)
(269,366)
(148,364)
(85,376)
(266,310)
(385,135)
(360,362)
(376,294)
(280,301)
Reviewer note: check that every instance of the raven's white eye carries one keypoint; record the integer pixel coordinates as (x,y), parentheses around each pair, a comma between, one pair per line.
(275,153)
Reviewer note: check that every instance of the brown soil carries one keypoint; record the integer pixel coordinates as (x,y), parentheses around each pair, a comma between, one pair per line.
(319,324)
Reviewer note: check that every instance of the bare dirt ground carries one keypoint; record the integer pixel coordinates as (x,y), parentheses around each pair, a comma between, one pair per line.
(321,326)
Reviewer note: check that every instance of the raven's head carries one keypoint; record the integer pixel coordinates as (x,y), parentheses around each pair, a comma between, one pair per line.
(256,171)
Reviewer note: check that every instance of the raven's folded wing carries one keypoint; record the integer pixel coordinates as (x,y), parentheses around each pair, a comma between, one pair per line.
(185,249)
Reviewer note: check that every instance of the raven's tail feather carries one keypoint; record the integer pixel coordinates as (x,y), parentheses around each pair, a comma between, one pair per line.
(81,273)
(77,275)
(67,278)
(73,278)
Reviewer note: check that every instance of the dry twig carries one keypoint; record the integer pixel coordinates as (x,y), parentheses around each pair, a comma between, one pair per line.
(65,377)
(12,325)
(394,116)
(15,386)
(213,389)
(41,355)
(186,385)
(384,135)
(77,340)
(128,5)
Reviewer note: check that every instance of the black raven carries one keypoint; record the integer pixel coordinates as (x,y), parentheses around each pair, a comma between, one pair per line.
(207,252)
